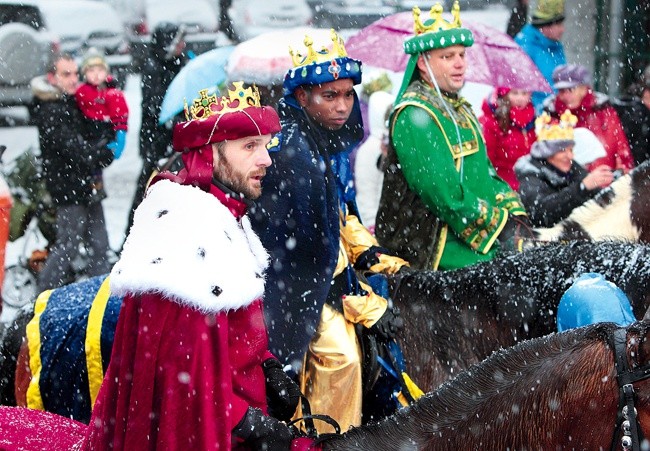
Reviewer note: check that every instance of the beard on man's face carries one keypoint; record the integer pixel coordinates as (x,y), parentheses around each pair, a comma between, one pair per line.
(239,182)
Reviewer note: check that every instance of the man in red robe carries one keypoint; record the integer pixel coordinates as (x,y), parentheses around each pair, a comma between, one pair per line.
(190,367)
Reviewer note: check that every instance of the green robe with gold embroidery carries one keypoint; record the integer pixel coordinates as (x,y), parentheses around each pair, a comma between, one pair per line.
(442,204)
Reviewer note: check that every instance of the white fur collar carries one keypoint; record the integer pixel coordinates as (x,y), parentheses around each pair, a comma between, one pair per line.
(186,245)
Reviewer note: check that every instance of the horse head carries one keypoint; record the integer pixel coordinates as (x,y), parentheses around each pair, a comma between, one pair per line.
(631,348)
(555,392)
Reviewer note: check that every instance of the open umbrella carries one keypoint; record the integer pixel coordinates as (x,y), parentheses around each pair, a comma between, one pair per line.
(206,71)
(265,58)
(494,59)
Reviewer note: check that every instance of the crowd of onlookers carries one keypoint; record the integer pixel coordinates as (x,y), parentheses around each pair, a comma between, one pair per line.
(610,135)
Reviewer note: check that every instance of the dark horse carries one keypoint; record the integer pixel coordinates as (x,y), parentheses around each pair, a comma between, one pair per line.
(457,318)
(555,392)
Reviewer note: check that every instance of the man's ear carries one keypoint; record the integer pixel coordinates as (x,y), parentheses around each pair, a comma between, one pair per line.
(51,78)
(420,63)
(301,96)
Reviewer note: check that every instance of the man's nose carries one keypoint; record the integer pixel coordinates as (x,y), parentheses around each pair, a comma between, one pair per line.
(341,104)
(264,158)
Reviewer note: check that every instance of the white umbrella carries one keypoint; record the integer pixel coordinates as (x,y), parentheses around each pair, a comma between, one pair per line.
(265,59)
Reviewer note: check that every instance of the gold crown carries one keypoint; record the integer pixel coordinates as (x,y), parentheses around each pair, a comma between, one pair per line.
(236,100)
(437,22)
(321,56)
(547,130)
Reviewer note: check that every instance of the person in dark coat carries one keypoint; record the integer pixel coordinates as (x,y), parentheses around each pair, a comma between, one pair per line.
(308,221)
(71,164)
(634,112)
(551,184)
(164,62)
(518,17)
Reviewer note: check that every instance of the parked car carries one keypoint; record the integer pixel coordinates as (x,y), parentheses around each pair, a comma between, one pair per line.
(25,50)
(250,18)
(355,13)
(465,5)
(83,24)
(199,18)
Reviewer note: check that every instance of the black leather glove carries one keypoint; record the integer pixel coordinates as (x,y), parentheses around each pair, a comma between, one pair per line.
(388,325)
(516,232)
(259,431)
(282,393)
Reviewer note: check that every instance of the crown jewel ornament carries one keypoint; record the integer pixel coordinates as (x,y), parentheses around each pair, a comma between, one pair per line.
(320,56)
(237,99)
(549,130)
(436,32)
(437,23)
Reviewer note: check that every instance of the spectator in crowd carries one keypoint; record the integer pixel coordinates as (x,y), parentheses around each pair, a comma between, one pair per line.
(71,163)
(518,17)
(594,112)
(508,123)
(371,155)
(442,204)
(541,40)
(634,112)
(101,101)
(551,183)
(165,59)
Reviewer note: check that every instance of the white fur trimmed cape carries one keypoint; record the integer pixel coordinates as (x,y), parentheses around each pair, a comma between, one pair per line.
(186,245)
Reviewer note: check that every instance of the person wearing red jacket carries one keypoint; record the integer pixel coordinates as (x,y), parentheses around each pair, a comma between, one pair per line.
(508,123)
(190,368)
(101,101)
(594,112)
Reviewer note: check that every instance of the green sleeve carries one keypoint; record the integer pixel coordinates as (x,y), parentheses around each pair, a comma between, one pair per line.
(429,168)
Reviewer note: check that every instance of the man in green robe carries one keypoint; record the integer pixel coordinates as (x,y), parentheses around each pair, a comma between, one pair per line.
(442,205)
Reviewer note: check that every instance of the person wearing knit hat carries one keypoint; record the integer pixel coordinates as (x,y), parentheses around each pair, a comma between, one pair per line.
(191,336)
(102,102)
(594,111)
(309,222)
(438,174)
(548,12)
(541,40)
(551,183)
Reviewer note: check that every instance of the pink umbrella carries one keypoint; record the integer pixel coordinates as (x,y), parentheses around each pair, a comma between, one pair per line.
(494,59)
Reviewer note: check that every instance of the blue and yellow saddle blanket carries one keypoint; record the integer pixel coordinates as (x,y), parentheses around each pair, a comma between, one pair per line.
(70,340)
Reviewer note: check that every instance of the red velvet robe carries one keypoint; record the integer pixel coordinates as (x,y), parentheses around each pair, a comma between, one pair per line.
(181,376)
(182,372)
(179,379)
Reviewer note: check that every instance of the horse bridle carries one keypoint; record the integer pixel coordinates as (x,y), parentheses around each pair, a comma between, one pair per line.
(626,420)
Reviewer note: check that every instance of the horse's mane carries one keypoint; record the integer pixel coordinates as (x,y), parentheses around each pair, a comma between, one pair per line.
(491,393)
(461,316)
(591,215)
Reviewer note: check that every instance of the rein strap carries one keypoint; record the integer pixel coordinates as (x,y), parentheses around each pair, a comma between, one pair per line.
(627,415)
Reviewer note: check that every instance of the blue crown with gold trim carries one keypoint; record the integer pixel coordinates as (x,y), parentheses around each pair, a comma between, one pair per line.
(436,32)
(315,67)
